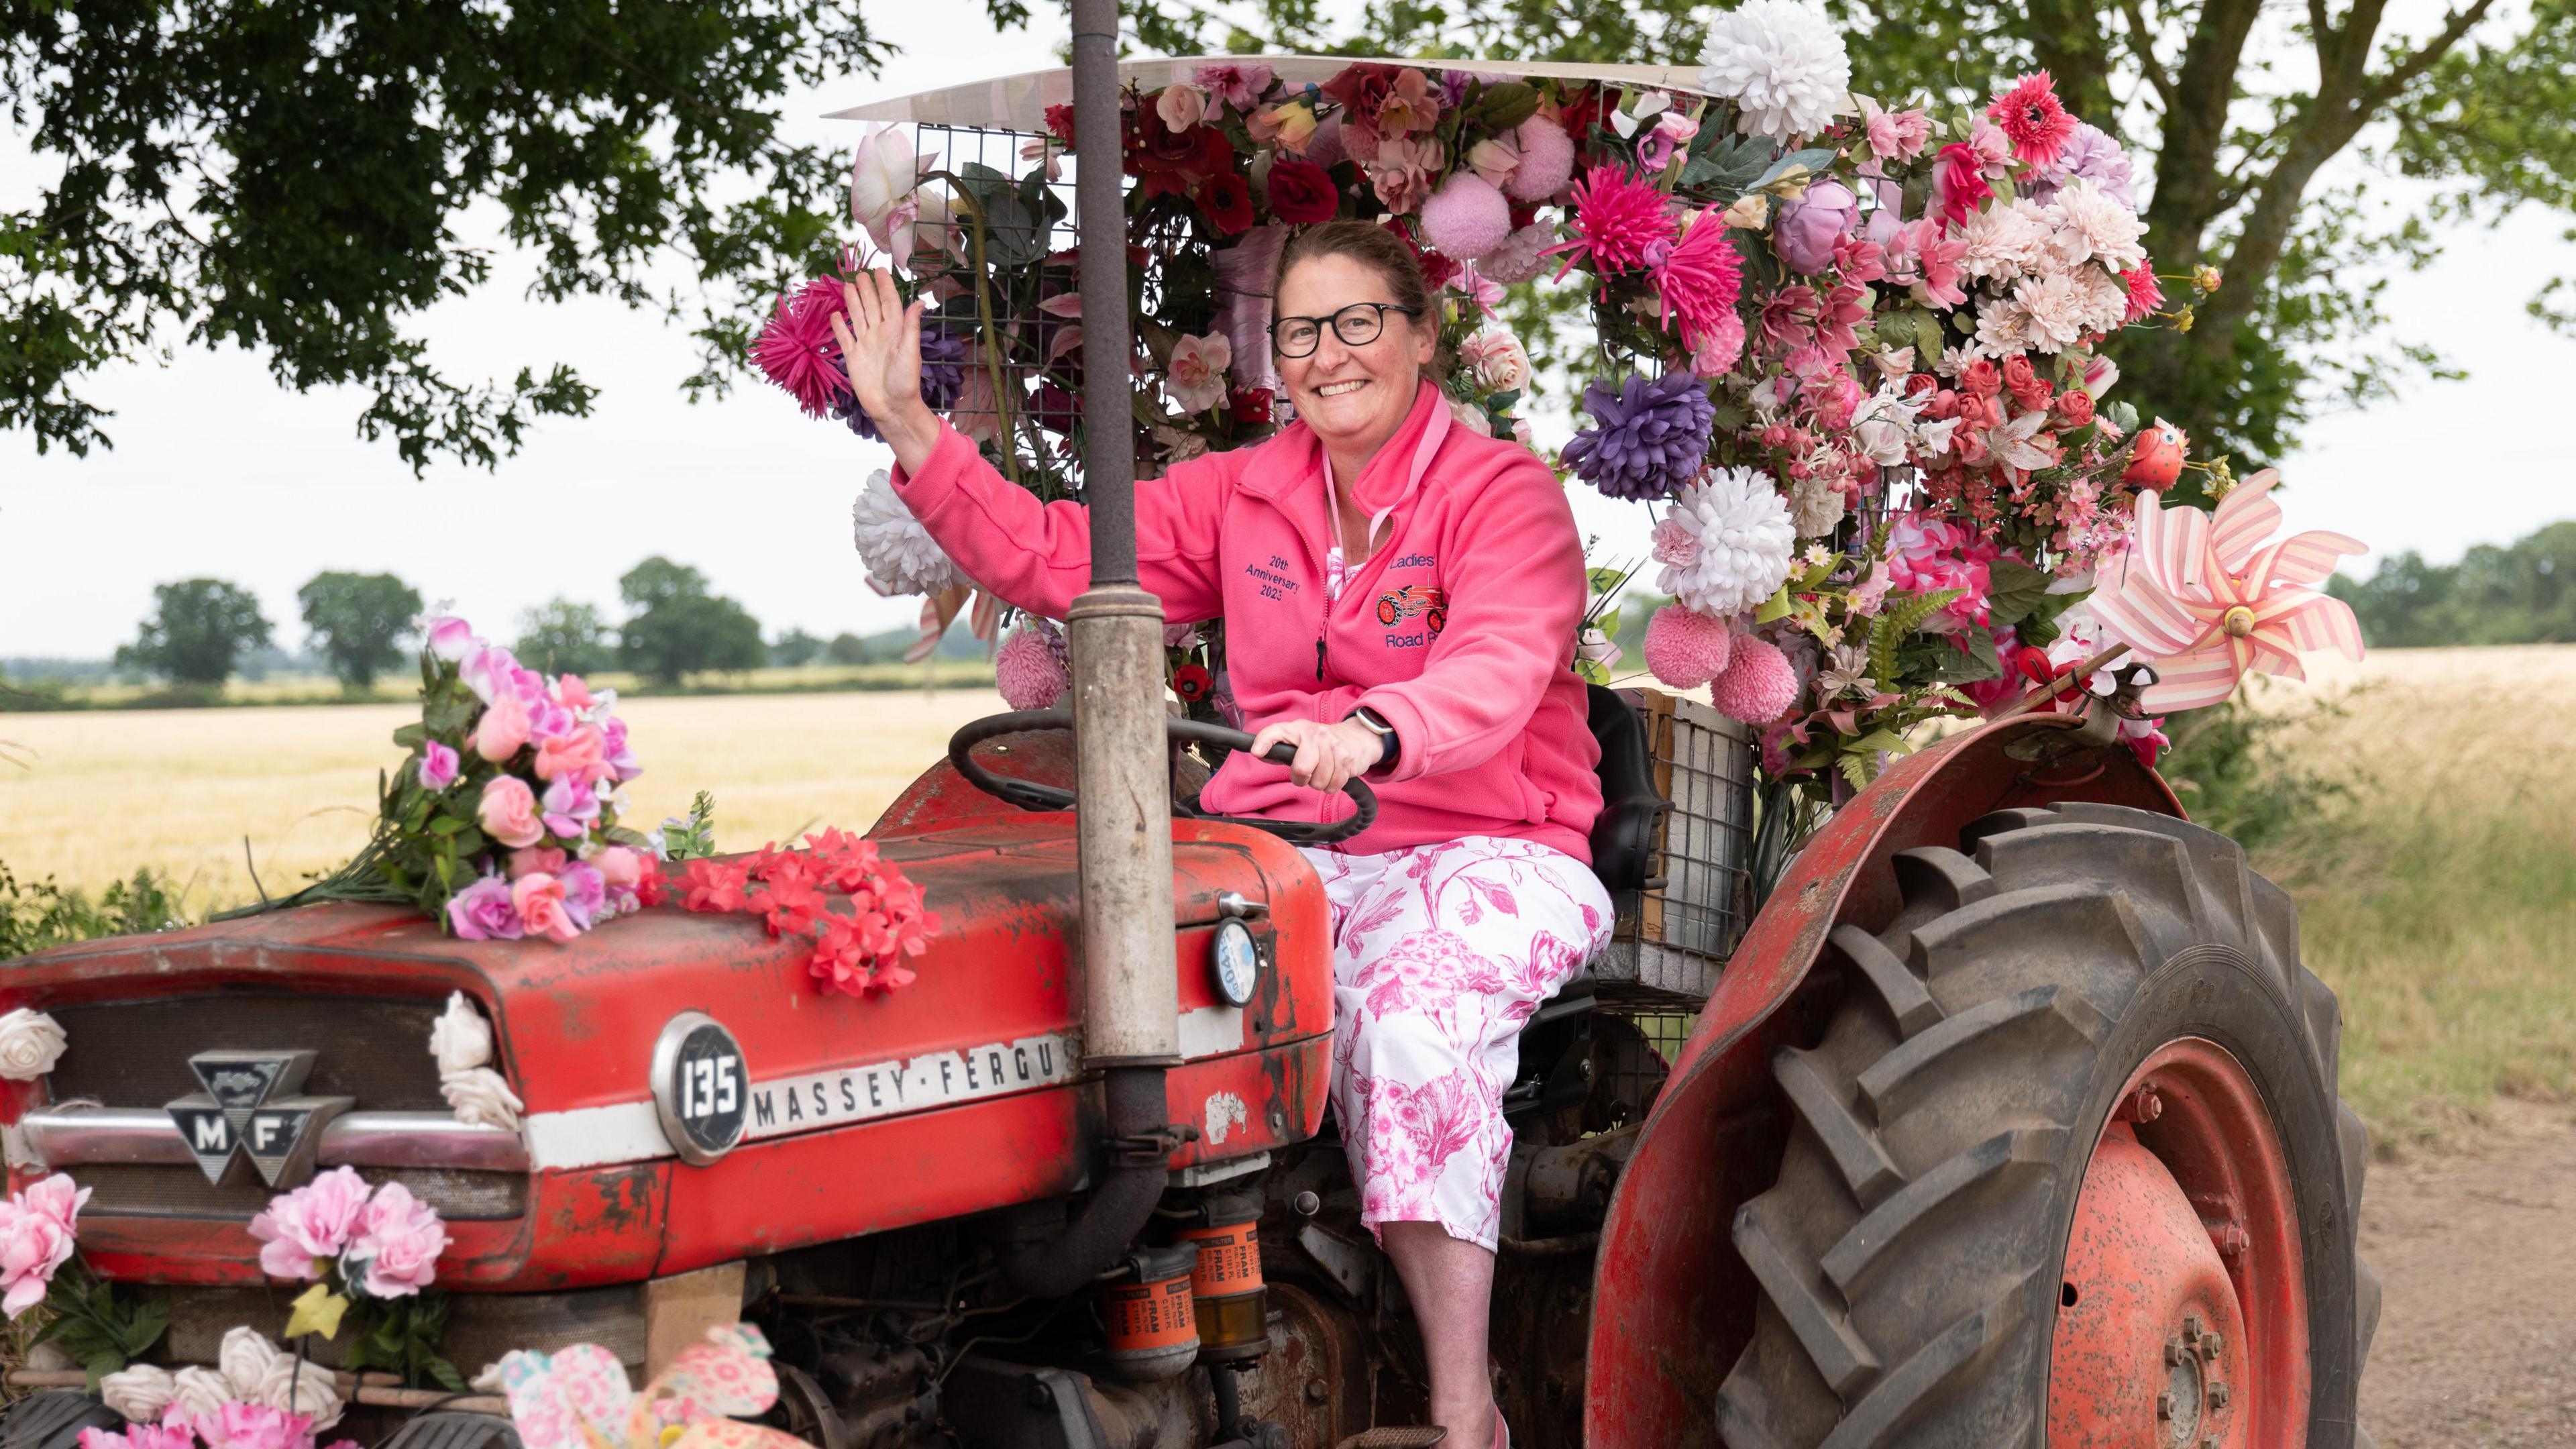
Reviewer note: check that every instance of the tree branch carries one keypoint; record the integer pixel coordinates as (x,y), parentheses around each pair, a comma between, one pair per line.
(2142,43)
(2387,87)
(2195,128)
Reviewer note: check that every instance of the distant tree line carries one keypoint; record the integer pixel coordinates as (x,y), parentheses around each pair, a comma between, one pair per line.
(2520,593)
(360,626)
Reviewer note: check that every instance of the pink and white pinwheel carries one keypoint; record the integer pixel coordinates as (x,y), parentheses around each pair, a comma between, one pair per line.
(2204,598)
(580,1398)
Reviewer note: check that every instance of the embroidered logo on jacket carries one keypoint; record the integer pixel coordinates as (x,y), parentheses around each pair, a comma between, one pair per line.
(1422,599)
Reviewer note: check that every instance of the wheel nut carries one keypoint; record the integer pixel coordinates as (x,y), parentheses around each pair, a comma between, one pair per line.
(2218,1396)
(2190,1327)
(2164,1406)
(1306,1205)
(2210,1343)
(2173,1352)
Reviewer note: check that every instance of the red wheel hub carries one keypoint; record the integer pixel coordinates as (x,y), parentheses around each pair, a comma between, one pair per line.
(2183,1319)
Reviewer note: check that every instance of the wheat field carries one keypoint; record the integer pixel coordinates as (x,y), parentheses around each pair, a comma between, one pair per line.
(2437,894)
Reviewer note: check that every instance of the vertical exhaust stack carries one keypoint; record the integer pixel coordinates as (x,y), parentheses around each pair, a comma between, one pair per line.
(1130,991)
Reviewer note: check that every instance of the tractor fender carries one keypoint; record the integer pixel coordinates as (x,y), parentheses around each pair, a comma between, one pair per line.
(1672,1300)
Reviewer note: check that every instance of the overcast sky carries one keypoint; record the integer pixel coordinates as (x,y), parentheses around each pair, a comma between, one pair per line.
(219,471)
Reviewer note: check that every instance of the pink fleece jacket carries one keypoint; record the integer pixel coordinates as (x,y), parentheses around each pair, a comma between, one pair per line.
(1458,629)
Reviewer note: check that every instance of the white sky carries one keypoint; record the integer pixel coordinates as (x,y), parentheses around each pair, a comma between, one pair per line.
(217,470)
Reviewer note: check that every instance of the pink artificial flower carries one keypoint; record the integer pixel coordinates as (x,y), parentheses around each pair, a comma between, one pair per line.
(311,1223)
(1238,85)
(1959,185)
(535,860)
(1838,318)
(576,754)
(38,1228)
(170,1434)
(1804,231)
(1939,260)
(2145,294)
(620,867)
(401,1244)
(1717,351)
(539,900)
(1701,277)
(2029,113)
(487,672)
(571,807)
(621,761)
(451,639)
(1196,378)
(1927,554)
(255,1426)
(1181,105)
(508,811)
(573,692)
(438,766)
(1618,219)
(1894,135)
(502,730)
(482,912)
(1402,170)
(585,892)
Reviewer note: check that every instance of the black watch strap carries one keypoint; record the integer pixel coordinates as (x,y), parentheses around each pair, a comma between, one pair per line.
(1377,724)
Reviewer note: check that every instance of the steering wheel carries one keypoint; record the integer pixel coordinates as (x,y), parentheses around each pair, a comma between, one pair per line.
(1030,795)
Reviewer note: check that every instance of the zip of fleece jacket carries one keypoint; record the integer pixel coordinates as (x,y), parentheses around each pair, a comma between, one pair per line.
(1458,628)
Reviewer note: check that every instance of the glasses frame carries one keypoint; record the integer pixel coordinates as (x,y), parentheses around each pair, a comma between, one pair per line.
(1334,321)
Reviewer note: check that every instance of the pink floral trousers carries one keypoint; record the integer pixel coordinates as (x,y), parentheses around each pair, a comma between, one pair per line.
(1440,954)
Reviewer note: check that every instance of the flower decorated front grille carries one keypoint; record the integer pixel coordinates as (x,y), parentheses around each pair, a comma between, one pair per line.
(135,1053)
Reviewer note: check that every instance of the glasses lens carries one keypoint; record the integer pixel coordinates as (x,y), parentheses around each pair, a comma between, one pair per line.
(1357,325)
(1297,338)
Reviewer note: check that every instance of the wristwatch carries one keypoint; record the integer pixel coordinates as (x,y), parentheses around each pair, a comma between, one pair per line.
(1376,724)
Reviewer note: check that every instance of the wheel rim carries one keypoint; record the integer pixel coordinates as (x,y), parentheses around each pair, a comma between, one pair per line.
(2182,1321)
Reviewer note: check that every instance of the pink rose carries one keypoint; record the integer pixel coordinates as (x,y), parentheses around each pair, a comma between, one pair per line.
(575,694)
(579,752)
(451,639)
(502,730)
(619,866)
(508,812)
(437,766)
(1236,84)
(1181,105)
(312,1222)
(482,912)
(488,672)
(540,902)
(536,859)
(37,1227)
(401,1245)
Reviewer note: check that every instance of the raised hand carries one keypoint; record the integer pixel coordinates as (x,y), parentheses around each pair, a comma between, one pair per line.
(881,345)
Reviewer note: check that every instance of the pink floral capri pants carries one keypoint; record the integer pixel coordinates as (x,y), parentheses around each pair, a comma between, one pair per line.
(1440,954)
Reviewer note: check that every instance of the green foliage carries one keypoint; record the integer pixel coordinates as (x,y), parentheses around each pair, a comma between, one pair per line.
(34,916)
(198,627)
(358,623)
(849,648)
(2229,147)
(101,1328)
(293,181)
(560,636)
(795,649)
(2235,771)
(678,628)
(404,1335)
(694,837)
(2524,593)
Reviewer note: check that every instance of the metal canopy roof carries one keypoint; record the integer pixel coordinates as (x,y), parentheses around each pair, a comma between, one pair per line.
(1019,102)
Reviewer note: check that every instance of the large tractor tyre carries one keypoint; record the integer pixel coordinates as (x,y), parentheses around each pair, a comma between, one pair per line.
(2068,1167)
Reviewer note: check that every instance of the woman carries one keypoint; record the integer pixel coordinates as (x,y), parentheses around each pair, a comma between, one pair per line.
(1400,597)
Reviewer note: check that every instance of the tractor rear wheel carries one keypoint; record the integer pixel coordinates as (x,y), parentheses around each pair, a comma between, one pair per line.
(2067,1167)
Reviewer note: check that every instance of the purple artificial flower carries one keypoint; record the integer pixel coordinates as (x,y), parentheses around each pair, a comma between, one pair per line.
(451,638)
(570,807)
(621,761)
(550,719)
(1649,438)
(437,766)
(482,912)
(943,381)
(2089,153)
(1805,232)
(585,890)
(488,671)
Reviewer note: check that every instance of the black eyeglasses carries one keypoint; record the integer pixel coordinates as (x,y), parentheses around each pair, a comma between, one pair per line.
(1357,325)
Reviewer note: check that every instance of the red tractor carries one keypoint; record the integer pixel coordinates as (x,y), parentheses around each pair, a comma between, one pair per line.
(2009,1115)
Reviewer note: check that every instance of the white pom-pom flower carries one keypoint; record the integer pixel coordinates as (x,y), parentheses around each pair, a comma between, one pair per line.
(1741,526)
(900,554)
(1783,65)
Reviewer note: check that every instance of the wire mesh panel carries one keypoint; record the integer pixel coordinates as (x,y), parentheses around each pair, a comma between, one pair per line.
(1673,935)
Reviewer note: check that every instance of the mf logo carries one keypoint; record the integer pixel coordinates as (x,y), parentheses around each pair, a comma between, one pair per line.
(251,1105)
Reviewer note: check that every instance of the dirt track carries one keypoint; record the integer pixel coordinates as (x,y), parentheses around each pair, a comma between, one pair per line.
(2477,1247)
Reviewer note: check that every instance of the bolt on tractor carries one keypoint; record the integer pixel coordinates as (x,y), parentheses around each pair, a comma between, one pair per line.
(2000,1112)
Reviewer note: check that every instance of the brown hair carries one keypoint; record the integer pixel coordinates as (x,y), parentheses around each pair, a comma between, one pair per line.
(1372,246)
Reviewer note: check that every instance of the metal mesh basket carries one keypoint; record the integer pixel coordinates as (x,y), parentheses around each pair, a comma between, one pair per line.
(1673,935)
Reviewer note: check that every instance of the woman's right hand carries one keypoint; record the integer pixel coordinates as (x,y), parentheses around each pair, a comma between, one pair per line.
(880,341)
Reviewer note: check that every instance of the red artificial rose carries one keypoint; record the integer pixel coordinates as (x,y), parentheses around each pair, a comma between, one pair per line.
(1059,123)
(1523,213)
(1920,384)
(1579,111)
(1166,161)
(1362,89)
(1438,271)
(1302,192)
(649,882)
(2074,408)
(1250,405)
(1227,200)
(2019,374)
(1962,183)
(1192,683)
(1940,403)
(1981,378)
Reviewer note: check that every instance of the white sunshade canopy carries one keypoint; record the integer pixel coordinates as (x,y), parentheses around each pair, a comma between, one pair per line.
(1019,102)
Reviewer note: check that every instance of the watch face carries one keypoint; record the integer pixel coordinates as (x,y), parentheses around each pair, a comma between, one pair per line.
(1237,962)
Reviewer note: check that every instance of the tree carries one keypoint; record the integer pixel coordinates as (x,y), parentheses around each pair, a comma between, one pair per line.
(848,648)
(198,627)
(2523,593)
(678,628)
(560,636)
(795,648)
(357,623)
(291,180)
(2263,177)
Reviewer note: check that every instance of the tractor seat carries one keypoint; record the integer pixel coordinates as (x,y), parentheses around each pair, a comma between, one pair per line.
(1623,835)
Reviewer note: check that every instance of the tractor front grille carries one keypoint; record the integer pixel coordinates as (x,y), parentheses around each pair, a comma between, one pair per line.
(135,1053)
(161,1190)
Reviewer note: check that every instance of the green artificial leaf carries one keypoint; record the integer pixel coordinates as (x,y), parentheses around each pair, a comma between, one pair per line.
(445,1373)
(2122,415)
(446,825)
(150,1320)
(1774,607)
(1903,615)
(2014,590)
(1978,663)
(411,736)
(1506,104)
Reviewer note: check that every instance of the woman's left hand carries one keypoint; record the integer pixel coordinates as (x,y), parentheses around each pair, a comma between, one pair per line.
(1328,755)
